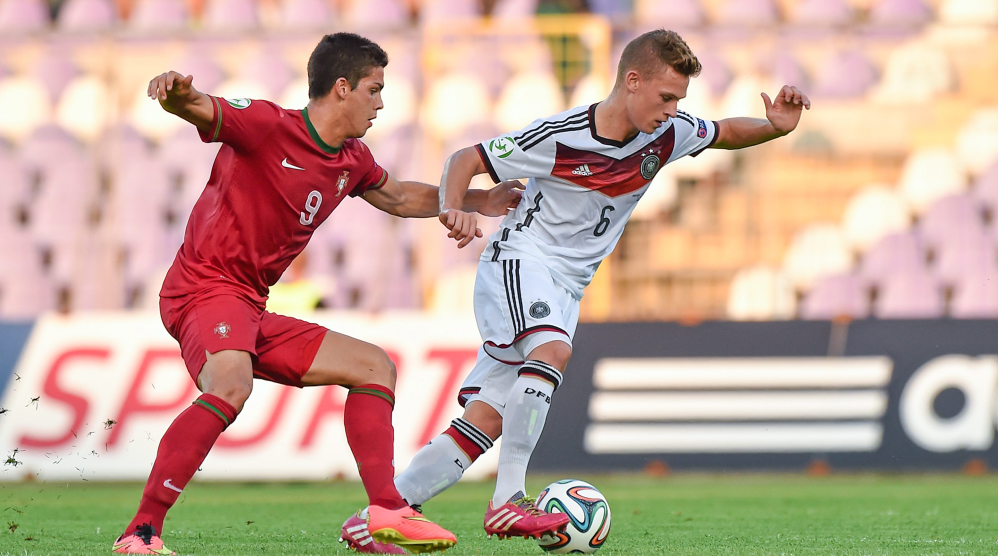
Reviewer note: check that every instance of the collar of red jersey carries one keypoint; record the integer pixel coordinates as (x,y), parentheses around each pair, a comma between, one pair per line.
(315,135)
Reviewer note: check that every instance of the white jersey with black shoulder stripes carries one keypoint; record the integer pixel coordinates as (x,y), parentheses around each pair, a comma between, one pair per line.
(581,188)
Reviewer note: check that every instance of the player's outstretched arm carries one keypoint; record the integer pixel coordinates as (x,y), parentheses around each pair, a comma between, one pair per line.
(782,117)
(177,96)
(413,199)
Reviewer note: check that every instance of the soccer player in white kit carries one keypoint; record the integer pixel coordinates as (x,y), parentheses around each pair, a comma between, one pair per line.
(586,169)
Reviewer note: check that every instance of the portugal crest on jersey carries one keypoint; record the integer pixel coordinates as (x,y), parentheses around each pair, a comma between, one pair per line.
(649,166)
(222,329)
(342,182)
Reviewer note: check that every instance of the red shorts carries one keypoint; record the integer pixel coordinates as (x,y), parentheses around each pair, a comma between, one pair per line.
(283,348)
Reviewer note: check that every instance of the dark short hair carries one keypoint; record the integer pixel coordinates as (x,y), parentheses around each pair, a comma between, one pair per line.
(345,55)
(649,52)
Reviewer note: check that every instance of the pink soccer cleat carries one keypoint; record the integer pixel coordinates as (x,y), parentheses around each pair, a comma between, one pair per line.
(520,517)
(408,529)
(354,532)
(142,541)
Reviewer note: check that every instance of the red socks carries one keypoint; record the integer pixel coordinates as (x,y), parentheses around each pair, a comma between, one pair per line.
(181,451)
(367,418)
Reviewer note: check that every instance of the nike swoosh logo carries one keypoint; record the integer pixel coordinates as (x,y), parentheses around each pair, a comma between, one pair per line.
(170,486)
(287,164)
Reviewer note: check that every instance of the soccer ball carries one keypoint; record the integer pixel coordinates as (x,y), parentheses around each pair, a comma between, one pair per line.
(588,512)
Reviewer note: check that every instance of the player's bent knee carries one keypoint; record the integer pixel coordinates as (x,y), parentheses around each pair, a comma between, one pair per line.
(228,375)
(556,353)
(381,369)
(236,392)
(485,418)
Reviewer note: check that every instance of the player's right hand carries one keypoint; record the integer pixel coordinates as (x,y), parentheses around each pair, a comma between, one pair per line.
(173,90)
(463,226)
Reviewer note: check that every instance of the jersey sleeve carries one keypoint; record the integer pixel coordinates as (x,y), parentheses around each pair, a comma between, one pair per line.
(506,160)
(372,175)
(241,123)
(693,135)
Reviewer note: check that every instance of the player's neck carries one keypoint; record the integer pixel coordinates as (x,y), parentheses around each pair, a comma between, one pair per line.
(611,120)
(327,122)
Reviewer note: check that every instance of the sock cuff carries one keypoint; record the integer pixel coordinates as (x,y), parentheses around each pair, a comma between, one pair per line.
(543,371)
(375,390)
(218,407)
(470,433)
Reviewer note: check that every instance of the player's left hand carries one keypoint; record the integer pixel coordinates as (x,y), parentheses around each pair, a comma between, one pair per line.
(463,226)
(502,198)
(784,113)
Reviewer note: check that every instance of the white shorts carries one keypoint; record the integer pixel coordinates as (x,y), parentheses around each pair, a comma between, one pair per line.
(518,307)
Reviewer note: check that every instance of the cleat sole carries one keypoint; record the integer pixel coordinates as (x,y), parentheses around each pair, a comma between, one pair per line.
(391,536)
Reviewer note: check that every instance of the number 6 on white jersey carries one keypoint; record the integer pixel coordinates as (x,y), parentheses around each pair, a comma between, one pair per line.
(311,206)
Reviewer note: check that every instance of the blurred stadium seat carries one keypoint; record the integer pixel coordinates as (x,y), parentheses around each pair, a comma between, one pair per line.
(442,11)
(975,296)
(761,293)
(836,296)
(375,14)
(527,97)
(965,253)
(230,15)
(748,13)
(822,13)
(306,14)
(207,74)
(33,108)
(872,213)
(914,73)
(84,107)
(951,216)
(899,13)
(269,69)
(986,189)
(159,16)
(895,253)
(671,14)
(977,141)
(54,71)
(915,295)
(846,74)
(86,16)
(969,12)
(18,17)
(817,251)
(930,174)
(453,103)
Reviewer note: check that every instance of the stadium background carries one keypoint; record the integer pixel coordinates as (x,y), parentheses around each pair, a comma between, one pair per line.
(823,300)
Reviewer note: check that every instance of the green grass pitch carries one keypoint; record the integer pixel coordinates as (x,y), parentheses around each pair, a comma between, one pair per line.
(678,514)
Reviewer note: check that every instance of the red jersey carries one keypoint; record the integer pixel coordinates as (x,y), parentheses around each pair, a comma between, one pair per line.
(273,182)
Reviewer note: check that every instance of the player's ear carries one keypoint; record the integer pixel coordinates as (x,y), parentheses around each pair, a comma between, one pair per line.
(632,79)
(342,88)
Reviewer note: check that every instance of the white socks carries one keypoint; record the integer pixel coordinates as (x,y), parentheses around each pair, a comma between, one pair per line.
(525,413)
(442,462)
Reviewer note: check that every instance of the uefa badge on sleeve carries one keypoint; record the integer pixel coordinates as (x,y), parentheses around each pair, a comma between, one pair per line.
(701,128)
(502,147)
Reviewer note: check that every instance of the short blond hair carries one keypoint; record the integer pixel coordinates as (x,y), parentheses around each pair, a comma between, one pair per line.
(649,52)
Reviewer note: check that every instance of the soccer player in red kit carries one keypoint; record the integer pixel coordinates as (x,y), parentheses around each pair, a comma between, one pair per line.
(278,175)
